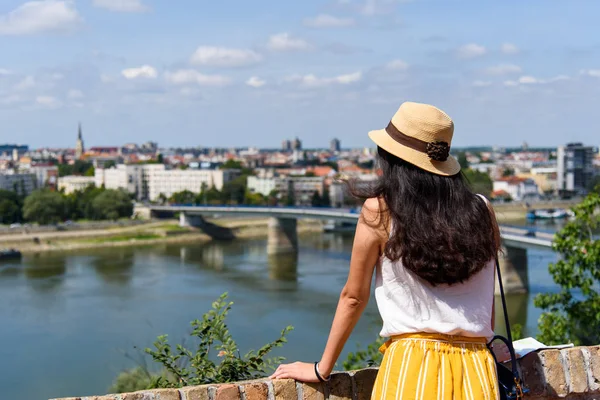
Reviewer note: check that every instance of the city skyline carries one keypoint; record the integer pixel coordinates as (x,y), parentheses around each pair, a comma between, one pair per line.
(219,76)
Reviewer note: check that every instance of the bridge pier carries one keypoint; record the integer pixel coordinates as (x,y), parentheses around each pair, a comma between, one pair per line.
(513,266)
(282,236)
(187,220)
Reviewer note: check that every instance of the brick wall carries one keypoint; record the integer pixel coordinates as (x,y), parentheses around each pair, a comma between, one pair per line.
(550,374)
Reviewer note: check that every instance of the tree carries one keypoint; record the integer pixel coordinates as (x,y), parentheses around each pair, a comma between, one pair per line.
(160,159)
(594,185)
(573,314)
(480,182)
(234,190)
(316,199)
(10,207)
(44,207)
(508,172)
(462,160)
(231,164)
(184,197)
(112,204)
(325,199)
(91,171)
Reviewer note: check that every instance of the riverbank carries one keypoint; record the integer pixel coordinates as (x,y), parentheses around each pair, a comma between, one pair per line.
(154,232)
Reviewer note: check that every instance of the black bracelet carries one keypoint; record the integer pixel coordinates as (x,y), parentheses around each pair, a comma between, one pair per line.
(319,375)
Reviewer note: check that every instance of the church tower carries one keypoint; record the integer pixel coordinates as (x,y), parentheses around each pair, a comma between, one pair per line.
(79,149)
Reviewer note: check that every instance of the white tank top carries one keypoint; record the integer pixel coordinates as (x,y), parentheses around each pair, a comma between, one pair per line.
(409,304)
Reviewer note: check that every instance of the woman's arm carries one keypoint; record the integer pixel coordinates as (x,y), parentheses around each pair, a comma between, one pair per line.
(369,240)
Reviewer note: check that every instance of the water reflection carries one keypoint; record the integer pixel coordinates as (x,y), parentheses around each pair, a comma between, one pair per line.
(517,311)
(46,272)
(116,270)
(283,267)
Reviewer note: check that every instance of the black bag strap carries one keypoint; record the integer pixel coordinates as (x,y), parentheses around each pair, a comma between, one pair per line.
(508,340)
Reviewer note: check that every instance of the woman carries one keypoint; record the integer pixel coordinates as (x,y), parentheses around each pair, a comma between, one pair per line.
(432,244)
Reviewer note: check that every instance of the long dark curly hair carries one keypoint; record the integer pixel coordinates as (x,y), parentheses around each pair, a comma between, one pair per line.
(441,230)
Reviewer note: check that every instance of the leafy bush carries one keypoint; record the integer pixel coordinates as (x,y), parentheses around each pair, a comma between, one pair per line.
(370,357)
(133,380)
(185,367)
(573,314)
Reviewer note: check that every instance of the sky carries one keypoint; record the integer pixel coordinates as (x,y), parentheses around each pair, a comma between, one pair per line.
(234,73)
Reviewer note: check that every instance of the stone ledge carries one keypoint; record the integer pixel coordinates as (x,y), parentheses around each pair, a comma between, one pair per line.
(549,374)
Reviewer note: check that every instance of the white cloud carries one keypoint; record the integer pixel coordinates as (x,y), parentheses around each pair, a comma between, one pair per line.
(5,72)
(591,72)
(509,48)
(48,101)
(285,42)
(481,83)
(255,81)
(122,5)
(40,16)
(471,50)
(529,80)
(397,65)
(224,57)
(26,83)
(314,81)
(74,94)
(145,71)
(503,69)
(187,76)
(329,21)
(378,7)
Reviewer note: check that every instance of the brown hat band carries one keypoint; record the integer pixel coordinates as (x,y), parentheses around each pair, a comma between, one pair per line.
(437,151)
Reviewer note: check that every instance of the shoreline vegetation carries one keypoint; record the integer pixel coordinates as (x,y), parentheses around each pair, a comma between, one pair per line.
(152,232)
(168,231)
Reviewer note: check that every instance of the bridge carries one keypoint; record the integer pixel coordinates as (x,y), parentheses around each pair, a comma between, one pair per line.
(283,238)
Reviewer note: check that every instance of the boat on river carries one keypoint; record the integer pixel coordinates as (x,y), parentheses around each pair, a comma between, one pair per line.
(10,254)
(549,213)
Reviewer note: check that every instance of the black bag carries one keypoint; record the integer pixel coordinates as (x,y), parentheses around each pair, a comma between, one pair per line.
(509,380)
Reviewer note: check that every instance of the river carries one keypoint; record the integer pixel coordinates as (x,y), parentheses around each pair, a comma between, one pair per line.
(72,321)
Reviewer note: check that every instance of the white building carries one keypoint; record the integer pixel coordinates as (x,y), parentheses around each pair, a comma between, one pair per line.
(575,167)
(168,182)
(518,188)
(46,175)
(263,186)
(127,177)
(73,183)
(149,181)
(21,183)
(302,188)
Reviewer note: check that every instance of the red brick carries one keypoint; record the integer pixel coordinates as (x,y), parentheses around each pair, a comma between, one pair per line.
(340,387)
(554,373)
(194,393)
(127,396)
(577,372)
(365,379)
(533,374)
(227,392)
(595,366)
(256,391)
(284,389)
(313,391)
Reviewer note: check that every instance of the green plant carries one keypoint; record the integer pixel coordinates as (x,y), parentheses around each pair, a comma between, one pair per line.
(573,314)
(369,357)
(214,342)
(134,379)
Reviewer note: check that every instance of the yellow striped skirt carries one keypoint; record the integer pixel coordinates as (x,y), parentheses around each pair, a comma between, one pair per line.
(436,367)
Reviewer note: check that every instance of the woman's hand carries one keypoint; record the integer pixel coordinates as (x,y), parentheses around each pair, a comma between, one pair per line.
(303,372)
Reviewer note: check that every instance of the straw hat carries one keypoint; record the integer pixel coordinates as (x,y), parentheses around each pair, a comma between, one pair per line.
(420,134)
